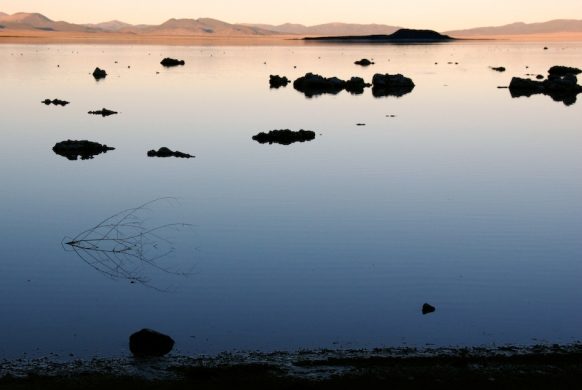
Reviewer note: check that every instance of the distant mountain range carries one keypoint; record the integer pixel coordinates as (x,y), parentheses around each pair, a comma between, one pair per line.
(205,26)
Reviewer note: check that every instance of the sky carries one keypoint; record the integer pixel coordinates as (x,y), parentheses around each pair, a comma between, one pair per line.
(430,14)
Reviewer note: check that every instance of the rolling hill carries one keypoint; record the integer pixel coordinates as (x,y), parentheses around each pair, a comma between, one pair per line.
(551,27)
(329,29)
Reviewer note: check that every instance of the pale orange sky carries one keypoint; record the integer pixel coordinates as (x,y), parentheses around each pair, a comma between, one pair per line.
(432,14)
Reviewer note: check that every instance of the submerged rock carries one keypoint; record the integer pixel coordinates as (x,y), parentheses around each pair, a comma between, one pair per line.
(56,102)
(172,62)
(99,73)
(284,137)
(391,85)
(314,84)
(364,62)
(498,69)
(147,342)
(426,308)
(84,149)
(103,112)
(559,70)
(165,152)
(275,81)
(559,88)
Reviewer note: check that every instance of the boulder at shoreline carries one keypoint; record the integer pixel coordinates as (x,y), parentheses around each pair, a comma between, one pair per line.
(147,343)
(364,62)
(103,112)
(275,81)
(56,102)
(560,88)
(391,85)
(314,84)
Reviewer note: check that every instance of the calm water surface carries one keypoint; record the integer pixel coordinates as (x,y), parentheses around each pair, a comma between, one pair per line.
(466,198)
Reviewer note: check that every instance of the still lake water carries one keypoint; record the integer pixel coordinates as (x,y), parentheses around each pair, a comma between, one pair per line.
(466,198)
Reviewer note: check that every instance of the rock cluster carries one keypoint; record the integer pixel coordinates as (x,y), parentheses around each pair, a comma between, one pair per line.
(99,73)
(85,149)
(391,85)
(284,137)
(364,62)
(561,88)
(275,81)
(171,62)
(56,102)
(314,84)
(559,70)
(103,112)
(147,343)
(165,152)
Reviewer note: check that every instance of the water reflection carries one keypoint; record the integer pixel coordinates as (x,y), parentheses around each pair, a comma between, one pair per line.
(123,247)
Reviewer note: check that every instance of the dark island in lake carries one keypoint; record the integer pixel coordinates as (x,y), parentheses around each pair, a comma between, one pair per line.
(403,35)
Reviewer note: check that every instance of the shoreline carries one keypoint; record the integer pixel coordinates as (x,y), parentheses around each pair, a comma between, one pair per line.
(507,366)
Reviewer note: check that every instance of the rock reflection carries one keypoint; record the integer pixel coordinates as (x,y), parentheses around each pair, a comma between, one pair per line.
(123,247)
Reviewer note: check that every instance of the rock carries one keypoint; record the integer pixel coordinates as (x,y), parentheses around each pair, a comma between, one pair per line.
(275,81)
(426,308)
(314,84)
(499,69)
(85,149)
(99,73)
(165,152)
(364,62)
(559,88)
(563,70)
(103,112)
(284,137)
(56,102)
(147,342)
(171,62)
(391,85)
(539,77)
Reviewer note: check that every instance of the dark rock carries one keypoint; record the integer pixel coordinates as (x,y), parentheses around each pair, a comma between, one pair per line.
(364,62)
(314,84)
(563,70)
(85,149)
(103,112)
(284,137)
(99,73)
(559,88)
(56,102)
(172,62)
(539,77)
(275,81)
(148,342)
(499,69)
(165,152)
(391,85)
(426,308)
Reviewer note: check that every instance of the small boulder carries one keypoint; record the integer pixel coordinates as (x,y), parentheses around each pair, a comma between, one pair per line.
(284,137)
(84,149)
(426,308)
(148,343)
(276,81)
(172,62)
(391,80)
(103,112)
(56,102)
(499,68)
(99,73)
(364,62)
(165,152)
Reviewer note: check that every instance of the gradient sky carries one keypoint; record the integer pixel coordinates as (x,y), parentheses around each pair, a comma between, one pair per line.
(433,14)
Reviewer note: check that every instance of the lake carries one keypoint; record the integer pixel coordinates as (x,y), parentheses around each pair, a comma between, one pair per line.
(454,194)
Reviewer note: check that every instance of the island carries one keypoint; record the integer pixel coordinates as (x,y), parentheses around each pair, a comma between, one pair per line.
(404,35)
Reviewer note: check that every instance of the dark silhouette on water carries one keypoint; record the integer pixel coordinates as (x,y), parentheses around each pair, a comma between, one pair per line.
(84,149)
(404,35)
(165,152)
(560,86)
(123,247)
(284,137)
(314,84)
